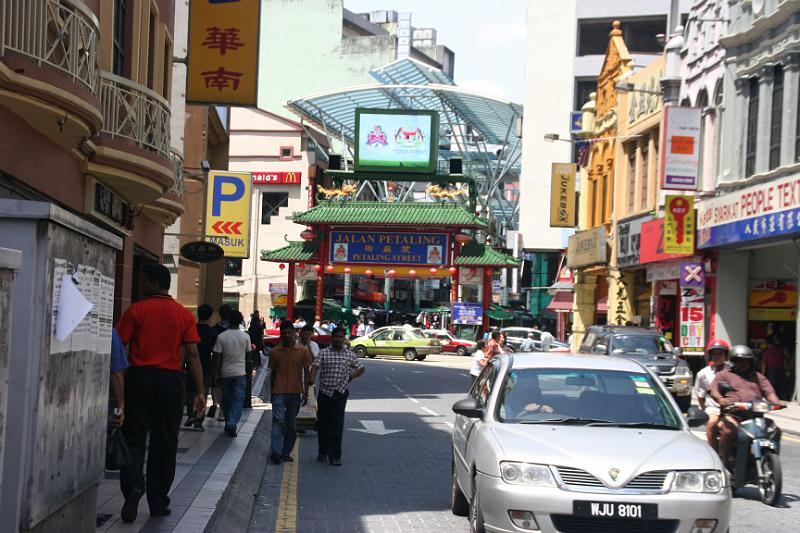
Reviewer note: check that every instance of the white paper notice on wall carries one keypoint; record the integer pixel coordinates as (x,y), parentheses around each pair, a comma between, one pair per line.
(72,307)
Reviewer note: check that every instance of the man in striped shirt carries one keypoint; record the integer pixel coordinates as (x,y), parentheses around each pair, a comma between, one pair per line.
(337,367)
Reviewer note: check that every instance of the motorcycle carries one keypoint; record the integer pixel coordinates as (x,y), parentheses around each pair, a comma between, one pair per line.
(757,449)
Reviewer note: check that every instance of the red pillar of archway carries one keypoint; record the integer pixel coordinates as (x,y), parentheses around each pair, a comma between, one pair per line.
(290,293)
(487,296)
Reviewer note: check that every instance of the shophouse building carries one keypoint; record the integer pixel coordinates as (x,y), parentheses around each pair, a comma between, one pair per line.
(587,251)
(749,229)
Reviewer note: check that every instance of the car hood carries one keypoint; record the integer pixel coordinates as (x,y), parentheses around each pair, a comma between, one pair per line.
(659,363)
(598,449)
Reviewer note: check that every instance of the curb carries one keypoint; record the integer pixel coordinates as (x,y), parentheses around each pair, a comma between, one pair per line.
(235,507)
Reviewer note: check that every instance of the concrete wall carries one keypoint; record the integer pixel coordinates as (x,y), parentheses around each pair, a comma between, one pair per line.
(302,52)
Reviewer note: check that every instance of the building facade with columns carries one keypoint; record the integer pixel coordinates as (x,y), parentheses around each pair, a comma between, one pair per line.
(751,225)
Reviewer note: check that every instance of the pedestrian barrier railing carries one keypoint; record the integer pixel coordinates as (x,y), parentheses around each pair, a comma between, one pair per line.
(63,34)
(134,112)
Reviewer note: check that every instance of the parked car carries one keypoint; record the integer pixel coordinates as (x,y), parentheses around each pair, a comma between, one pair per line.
(650,348)
(273,336)
(582,443)
(450,343)
(517,335)
(396,340)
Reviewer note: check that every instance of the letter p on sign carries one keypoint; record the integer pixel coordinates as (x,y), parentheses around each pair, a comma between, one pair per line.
(228,212)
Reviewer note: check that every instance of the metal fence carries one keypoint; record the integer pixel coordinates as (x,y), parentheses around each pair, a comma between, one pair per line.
(63,34)
(177,169)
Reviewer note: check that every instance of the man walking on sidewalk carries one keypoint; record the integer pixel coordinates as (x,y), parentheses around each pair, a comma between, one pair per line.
(230,352)
(290,365)
(156,329)
(338,366)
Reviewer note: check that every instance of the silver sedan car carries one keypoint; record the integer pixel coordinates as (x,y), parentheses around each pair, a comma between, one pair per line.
(569,443)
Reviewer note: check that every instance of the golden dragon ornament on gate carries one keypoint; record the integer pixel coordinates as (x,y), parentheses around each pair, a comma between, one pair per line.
(346,191)
(437,191)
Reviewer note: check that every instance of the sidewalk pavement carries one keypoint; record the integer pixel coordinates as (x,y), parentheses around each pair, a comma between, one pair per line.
(206,462)
(788,419)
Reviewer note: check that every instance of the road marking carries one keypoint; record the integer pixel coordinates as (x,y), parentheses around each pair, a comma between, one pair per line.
(412,399)
(375,427)
(790,438)
(430,412)
(287,500)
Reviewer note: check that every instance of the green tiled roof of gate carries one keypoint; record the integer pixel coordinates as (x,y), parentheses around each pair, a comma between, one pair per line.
(295,251)
(478,255)
(390,214)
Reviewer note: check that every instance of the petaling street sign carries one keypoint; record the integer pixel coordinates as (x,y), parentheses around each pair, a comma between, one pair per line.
(388,248)
(762,211)
(222,62)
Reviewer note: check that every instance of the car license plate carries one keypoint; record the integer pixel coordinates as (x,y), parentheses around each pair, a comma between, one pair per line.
(633,511)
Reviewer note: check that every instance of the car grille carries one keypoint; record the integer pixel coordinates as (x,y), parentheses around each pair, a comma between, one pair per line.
(668,382)
(577,478)
(662,369)
(580,524)
(648,481)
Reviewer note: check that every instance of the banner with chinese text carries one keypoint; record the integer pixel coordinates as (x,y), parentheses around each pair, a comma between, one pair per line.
(679,225)
(223,52)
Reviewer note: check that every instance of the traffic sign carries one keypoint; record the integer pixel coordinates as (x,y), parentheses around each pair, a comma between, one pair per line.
(202,252)
(228,212)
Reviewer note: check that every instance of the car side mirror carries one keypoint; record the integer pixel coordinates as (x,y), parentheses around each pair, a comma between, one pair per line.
(469,407)
(696,417)
(601,348)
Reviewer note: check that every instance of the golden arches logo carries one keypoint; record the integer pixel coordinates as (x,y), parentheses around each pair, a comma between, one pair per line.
(292,177)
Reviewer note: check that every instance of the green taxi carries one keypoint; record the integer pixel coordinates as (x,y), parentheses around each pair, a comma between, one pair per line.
(396,340)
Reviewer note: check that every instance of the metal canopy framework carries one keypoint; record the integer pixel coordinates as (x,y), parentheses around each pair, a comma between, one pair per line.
(483,130)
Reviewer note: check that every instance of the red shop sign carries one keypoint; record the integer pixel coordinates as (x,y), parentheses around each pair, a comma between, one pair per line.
(276,178)
(651,247)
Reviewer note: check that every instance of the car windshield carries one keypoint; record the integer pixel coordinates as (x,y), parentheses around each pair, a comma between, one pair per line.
(640,344)
(416,333)
(590,397)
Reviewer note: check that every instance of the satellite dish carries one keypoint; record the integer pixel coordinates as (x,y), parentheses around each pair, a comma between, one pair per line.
(758,6)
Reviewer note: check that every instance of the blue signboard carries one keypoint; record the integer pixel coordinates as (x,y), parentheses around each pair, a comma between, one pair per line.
(469,314)
(750,229)
(575,122)
(389,248)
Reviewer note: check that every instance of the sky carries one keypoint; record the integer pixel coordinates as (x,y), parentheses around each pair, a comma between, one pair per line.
(488,38)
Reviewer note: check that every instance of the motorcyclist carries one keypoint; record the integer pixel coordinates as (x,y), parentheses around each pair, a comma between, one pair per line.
(746,385)
(717,352)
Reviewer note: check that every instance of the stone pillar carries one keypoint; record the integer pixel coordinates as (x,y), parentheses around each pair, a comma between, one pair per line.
(764,119)
(584,306)
(730,315)
(290,293)
(417,283)
(387,290)
(348,289)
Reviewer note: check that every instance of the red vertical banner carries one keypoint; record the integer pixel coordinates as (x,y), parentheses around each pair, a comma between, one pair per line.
(312,178)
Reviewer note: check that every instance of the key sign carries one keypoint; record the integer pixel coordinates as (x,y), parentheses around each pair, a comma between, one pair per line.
(679,225)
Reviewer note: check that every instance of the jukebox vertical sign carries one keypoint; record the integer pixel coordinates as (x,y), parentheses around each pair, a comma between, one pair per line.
(222,65)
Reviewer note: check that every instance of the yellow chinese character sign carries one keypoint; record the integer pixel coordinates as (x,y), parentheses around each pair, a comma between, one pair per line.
(223,52)
(228,212)
(679,225)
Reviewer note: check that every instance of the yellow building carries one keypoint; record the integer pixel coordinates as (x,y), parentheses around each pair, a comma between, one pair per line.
(636,187)
(588,249)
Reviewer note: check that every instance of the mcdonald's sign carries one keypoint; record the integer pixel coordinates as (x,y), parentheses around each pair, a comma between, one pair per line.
(277,178)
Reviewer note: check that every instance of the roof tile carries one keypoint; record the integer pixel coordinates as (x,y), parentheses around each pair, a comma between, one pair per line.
(390,214)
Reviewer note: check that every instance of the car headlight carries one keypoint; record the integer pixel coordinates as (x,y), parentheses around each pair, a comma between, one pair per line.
(682,370)
(710,481)
(527,474)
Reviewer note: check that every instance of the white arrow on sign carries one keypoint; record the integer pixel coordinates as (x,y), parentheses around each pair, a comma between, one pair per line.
(375,427)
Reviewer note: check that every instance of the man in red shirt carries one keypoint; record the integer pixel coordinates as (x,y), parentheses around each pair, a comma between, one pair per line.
(159,332)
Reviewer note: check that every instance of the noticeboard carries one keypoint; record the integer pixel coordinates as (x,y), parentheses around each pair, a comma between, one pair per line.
(396,140)
(467,313)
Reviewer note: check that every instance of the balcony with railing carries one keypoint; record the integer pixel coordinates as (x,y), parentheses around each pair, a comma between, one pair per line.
(49,65)
(134,140)
(169,207)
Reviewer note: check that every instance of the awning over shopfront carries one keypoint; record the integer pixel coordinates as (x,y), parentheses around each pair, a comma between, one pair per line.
(500,315)
(602,304)
(561,302)
(390,214)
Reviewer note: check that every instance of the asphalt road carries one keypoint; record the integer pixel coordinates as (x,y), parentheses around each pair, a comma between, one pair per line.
(396,473)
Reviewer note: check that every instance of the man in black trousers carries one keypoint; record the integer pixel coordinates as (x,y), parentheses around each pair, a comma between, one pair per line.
(155,329)
(337,366)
